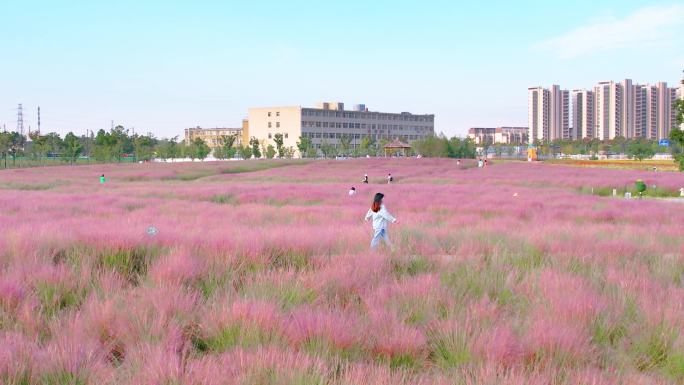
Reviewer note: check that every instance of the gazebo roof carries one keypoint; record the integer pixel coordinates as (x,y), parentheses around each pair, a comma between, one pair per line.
(397,144)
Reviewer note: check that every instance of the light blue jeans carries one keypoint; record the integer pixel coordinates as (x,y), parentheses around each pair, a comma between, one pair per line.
(379,235)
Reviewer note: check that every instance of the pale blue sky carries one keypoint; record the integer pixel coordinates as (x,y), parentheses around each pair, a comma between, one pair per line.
(161,66)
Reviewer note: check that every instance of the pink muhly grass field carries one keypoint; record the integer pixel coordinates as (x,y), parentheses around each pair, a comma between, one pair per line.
(260,273)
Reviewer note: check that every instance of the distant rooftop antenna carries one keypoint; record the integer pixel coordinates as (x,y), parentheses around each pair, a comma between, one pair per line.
(20,120)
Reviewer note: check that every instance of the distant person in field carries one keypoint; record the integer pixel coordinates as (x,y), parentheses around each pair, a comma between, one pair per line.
(365,178)
(352,191)
(102,179)
(390,179)
(381,218)
(485,162)
(458,162)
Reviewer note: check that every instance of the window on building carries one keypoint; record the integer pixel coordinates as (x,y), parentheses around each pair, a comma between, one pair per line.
(277,113)
(277,124)
(269,114)
(269,135)
(286,135)
(318,124)
(269,124)
(345,125)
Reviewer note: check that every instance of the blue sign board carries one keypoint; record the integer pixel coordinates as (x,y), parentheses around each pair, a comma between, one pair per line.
(664,143)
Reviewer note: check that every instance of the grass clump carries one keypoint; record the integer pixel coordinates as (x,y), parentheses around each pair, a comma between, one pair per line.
(230,337)
(62,377)
(285,259)
(653,348)
(57,297)
(224,199)
(288,295)
(410,266)
(273,376)
(448,349)
(468,282)
(132,263)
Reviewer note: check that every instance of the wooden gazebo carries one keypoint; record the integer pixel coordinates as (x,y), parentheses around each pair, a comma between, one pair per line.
(397,146)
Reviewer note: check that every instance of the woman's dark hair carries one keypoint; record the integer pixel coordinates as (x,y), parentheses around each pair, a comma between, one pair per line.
(377,202)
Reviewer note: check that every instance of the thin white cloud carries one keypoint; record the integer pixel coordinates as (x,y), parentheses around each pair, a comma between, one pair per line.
(646,27)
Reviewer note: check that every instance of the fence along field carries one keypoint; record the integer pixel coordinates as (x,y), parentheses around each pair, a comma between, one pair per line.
(257,274)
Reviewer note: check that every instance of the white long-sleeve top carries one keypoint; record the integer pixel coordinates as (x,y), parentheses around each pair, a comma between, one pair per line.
(381,218)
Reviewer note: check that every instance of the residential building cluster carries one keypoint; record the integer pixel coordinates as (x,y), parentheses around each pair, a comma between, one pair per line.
(498,135)
(608,110)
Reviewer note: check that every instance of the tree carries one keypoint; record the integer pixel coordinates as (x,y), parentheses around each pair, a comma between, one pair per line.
(167,148)
(5,143)
(432,147)
(201,150)
(367,145)
(262,147)
(640,150)
(53,143)
(303,145)
(679,107)
(38,145)
(105,146)
(381,146)
(270,151)
(328,149)
(71,148)
(463,148)
(245,152)
(227,143)
(278,139)
(256,151)
(144,147)
(289,152)
(677,135)
(219,153)
(345,144)
(17,142)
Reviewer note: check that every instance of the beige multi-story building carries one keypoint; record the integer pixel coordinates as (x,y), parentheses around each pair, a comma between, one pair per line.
(538,113)
(548,113)
(608,118)
(560,113)
(627,109)
(498,135)
(213,136)
(583,114)
(655,110)
(329,122)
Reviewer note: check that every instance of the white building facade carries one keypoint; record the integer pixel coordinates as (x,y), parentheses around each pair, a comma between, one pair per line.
(548,113)
(330,122)
(583,114)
